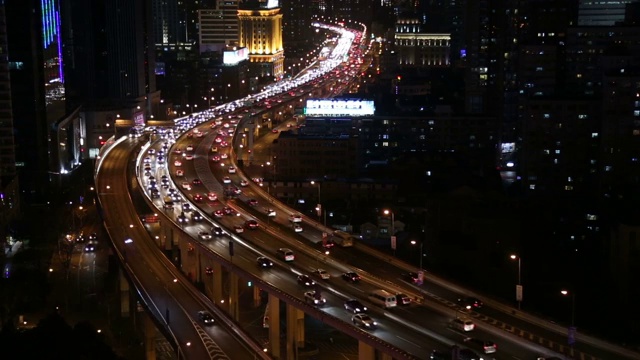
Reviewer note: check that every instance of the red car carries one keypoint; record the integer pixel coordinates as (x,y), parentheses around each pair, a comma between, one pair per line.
(197,198)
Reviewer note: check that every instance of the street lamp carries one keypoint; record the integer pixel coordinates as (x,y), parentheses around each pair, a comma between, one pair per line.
(519,285)
(393,229)
(571,334)
(413,242)
(322,214)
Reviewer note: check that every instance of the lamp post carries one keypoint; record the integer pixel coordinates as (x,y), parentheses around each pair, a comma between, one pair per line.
(393,229)
(519,285)
(413,242)
(571,333)
(322,214)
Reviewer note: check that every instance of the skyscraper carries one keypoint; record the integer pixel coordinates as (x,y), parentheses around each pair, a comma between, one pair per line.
(261,33)
(601,12)
(218,27)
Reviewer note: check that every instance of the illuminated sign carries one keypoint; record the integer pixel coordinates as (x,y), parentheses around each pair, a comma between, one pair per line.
(348,107)
(232,57)
(272,4)
(138,118)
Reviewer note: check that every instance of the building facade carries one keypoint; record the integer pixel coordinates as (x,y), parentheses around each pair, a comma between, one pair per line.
(260,31)
(218,27)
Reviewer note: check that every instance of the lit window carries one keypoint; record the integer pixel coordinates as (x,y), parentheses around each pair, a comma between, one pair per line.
(568,187)
(532,186)
(557,151)
(546,116)
(594,135)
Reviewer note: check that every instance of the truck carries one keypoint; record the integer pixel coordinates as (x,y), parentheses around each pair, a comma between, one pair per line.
(343,238)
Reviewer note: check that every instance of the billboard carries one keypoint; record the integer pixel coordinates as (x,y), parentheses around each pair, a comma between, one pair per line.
(342,107)
(233,57)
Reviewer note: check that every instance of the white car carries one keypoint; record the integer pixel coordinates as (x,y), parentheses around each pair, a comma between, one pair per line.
(177,163)
(295,218)
(226,180)
(238,229)
(189,147)
(297,228)
(244,183)
(224,156)
(322,273)
(364,321)
(179,173)
(232,170)
(186,185)
(271,213)
(203,235)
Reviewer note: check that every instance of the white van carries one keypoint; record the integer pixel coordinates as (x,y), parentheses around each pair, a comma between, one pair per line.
(383,298)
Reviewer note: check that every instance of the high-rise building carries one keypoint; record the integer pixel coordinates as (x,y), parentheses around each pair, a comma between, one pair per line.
(260,31)
(218,27)
(297,32)
(166,22)
(601,12)
(7,147)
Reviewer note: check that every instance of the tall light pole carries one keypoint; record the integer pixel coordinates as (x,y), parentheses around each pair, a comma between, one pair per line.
(413,242)
(519,285)
(393,229)
(322,214)
(571,334)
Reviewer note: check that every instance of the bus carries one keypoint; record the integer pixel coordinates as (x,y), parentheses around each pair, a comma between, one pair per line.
(343,238)
(383,298)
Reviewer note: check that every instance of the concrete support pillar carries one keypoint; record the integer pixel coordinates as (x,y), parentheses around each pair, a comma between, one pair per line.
(256,296)
(166,235)
(366,351)
(125,306)
(234,304)
(217,283)
(295,331)
(273,314)
(383,356)
(149,337)
(198,267)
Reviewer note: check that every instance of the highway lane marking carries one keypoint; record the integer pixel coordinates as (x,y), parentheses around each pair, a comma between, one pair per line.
(410,342)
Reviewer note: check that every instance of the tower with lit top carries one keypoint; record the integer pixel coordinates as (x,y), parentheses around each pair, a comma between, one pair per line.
(260,31)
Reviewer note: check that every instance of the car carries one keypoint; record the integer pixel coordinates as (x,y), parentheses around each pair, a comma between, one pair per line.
(177,151)
(244,183)
(189,147)
(218,139)
(363,320)
(91,246)
(411,277)
(224,143)
(224,156)
(314,297)
(177,163)
(232,170)
(252,224)
(305,280)
(93,237)
(271,212)
(188,157)
(264,262)
(468,354)
(322,274)
(182,218)
(463,324)
(217,231)
(488,347)
(252,202)
(196,216)
(186,207)
(226,180)
(439,355)
(297,228)
(197,198)
(186,186)
(204,235)
(275,131)
(206,317)
(351,276)
(295,218)
(228,211)
(179,173)
(208,270)
(354,306)
(214,149)
(470,302)
(196,181)
(286,254)
(215,158)
(328,243)
(403,299)
(218,213)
